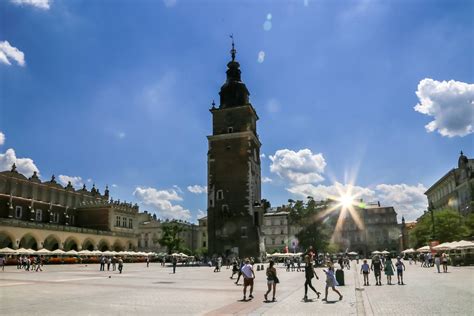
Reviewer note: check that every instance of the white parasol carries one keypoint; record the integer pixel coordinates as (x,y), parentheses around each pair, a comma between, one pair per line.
(7,250)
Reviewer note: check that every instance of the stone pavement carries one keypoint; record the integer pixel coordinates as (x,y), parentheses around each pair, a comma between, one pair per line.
(83,290)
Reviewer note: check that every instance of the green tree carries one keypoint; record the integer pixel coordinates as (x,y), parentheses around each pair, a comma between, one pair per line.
(449,226)
(314,234)
(171,239)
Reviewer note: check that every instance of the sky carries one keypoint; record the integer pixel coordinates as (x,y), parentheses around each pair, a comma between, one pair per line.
(371,97)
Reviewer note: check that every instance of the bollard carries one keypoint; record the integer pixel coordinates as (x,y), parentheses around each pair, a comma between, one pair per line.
(258,267)
(261,267)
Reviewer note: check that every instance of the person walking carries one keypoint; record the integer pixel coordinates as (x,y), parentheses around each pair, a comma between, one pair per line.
(114,263)
(102,264)
(249,276)
(388,268)
(2,263)
(235,268)
(120,265)
(174,262)
(376,266)
(331,283)
(109,261)
(147,261)
(444,260)
(242,263)
(309,273)
(437,262)
(365,270)
(39,263)
(400,268)
(272,280)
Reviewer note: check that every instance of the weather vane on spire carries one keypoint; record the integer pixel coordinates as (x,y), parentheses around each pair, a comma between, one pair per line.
(232,51)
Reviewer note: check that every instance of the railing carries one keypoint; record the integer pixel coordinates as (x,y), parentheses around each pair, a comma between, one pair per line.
(73,229)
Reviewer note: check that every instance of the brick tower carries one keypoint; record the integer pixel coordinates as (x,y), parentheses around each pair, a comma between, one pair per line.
(234,184)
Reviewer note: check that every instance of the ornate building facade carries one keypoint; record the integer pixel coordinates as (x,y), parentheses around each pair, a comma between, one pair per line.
(455,189)
(234,183)
(36,214)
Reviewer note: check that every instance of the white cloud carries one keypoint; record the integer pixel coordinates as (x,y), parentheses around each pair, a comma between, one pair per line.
(323,192)
(25,166)
(89,180)
(114,185)
(262,156)
(8,53)
(2,138)
(76,182)
(261,56)
(160,200)
(200,214)
(41,4)
(407,200)
(266,180)
(170,3)
(197,189)
(450,103)
(298,167)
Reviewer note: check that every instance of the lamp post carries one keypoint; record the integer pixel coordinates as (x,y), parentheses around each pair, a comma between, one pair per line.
(433,229)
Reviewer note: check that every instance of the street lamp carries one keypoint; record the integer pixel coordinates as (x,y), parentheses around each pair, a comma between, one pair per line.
(433,230)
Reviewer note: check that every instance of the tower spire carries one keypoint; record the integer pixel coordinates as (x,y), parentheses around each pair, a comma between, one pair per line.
(232,51)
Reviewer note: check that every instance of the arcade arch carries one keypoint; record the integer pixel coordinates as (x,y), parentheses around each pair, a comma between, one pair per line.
(28,241)
(6,240)
(103,245)
(88,244)
(71,243)
(52,242)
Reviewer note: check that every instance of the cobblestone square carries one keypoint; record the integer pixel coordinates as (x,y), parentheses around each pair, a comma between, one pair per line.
(84,290)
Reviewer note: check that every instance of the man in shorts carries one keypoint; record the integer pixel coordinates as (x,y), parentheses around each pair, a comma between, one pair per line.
(365,271)
(400,268)
(249,275)
(376,266)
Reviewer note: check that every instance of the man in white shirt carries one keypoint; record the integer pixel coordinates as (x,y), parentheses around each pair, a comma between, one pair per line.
(249,275)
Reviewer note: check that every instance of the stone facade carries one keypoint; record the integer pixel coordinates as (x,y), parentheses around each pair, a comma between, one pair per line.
(377,230)
(234,183)
(455,189)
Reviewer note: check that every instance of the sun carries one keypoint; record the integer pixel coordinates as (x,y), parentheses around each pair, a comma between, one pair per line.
(346,200)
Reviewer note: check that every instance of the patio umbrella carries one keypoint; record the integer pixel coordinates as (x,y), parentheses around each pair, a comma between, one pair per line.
(353,253)
(43,252)
(385,252)
(410,250)
(108,253)
(376,252)
(72,252)
(463,244)
(7,250)
(84,252)
(58,252)
(23,251)
(424,249)
(96,253)
(444,246)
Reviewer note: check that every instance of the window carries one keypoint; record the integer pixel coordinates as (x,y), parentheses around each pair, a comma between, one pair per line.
(281,232)
(230,129)
(55,217)
(130,223)
(225,208)
(124,222)
(220,195)
(117,221)
(243,231)
(281,221)
(282,242)
(39,215)
(273,241)
(203,234)
(18,211)
(204,244)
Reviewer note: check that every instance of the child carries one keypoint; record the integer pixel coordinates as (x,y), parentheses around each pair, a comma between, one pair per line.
(400,267)
(331,282)
(365,271)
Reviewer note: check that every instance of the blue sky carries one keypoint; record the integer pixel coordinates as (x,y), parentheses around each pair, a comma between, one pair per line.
(118,92)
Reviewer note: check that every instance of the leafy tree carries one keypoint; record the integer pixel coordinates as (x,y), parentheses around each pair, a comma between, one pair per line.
(449,226)
(171,239)
(314,234)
